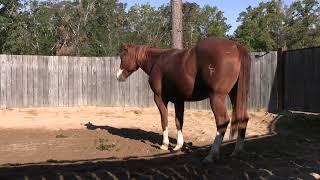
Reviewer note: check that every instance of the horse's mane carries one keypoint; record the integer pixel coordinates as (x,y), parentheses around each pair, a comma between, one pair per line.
(143,51)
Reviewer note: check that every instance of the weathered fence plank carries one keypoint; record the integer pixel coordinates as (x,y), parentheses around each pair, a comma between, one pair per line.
(77,81)
(19,82)
(60,79)
(65,80)
(9,81)
(100,80)
(53,73)
(14,80)
(35,79)
(107,81)
(121,88)
(30,82)
(93,95)
(3,81)
(114,85)
(40,77)
(84,80)
(273,98)
(24,81)
(46,81)
(145,89)
(70,80)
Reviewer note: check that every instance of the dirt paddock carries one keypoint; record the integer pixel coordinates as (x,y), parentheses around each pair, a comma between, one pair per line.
(123,143)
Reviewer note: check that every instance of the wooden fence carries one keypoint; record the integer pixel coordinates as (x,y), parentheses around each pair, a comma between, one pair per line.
(302,79)
(41,81)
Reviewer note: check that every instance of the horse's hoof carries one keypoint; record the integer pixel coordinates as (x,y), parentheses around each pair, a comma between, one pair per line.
(178,147)
(237,153)
(207,160)
(164,147)
(234,153)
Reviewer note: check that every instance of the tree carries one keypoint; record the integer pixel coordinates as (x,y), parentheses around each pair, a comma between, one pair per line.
(211,22)
(148,25)
(99,27)
(176,10)
(191,13)
(102,25)
(199,23)
(11,25)
(272,25)
(262,28)
(303,24)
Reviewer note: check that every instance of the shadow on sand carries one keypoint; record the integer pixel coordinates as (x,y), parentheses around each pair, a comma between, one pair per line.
(148,137)
(291,151)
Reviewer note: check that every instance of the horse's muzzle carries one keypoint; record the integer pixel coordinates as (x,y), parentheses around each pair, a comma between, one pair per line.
(120,75)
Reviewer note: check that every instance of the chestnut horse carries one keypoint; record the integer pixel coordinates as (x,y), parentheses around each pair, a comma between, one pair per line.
(213,68)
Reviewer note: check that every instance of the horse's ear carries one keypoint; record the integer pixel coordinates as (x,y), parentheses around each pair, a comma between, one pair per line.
(125,46)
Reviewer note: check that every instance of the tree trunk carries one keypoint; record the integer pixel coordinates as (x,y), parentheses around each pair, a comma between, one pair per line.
(176,33)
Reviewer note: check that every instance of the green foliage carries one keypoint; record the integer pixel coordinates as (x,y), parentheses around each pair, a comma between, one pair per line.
(303,24)
(199,23)
(147,25)
(97,27)
(272,25)
(262,27)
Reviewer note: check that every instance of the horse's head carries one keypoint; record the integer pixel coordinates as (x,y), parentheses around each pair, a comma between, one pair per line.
(130,57)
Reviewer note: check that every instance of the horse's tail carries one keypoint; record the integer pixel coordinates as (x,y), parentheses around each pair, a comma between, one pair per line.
(242,89)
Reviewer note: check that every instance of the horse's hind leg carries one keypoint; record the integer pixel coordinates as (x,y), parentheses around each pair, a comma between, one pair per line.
(162,106)
(179,110)
(240,119)
(242,126)
(218,106)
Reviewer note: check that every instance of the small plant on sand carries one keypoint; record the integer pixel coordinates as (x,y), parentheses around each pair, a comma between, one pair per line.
(61,136)
(101,145)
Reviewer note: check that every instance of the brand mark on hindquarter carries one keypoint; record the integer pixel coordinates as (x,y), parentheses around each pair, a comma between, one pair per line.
(211,69)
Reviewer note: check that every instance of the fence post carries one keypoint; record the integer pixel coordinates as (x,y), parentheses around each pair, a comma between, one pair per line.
(281,78)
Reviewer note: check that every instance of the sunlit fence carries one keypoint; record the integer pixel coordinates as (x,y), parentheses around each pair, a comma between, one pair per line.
(41,81)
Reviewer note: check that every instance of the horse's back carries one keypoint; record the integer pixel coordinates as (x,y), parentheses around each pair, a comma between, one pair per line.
(213,47)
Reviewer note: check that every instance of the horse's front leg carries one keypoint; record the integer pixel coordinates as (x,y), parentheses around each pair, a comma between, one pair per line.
(162,106)
(179,110)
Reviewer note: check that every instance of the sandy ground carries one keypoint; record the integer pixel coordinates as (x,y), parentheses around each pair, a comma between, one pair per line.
(123,143)
(47,134)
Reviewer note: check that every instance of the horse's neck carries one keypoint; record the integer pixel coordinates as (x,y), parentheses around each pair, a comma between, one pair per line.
(151,56)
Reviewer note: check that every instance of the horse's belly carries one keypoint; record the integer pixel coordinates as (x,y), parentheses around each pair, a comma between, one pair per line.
(195,92)
(199,93)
